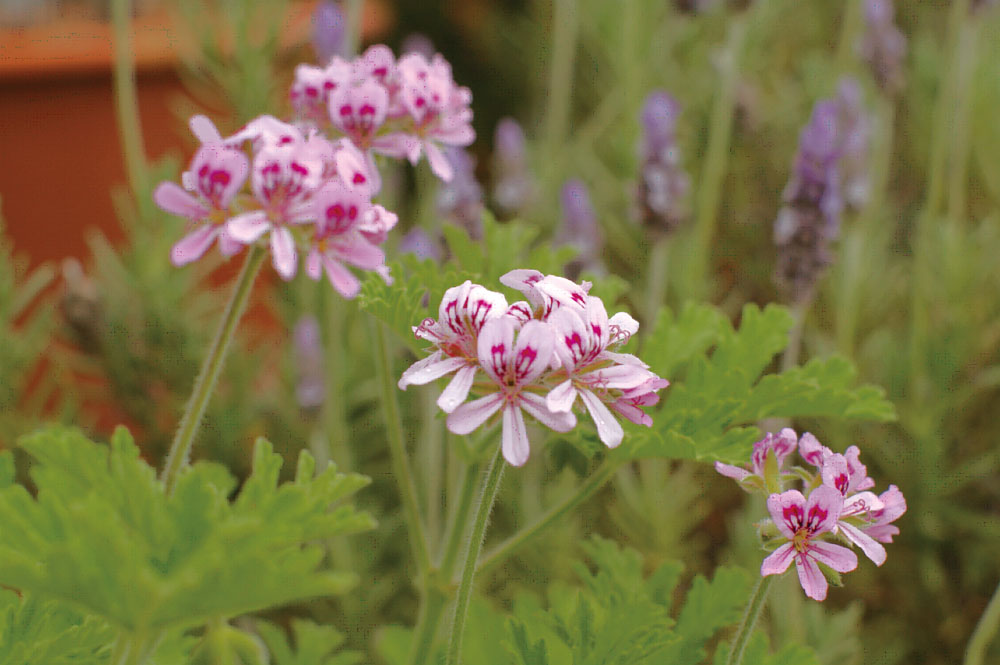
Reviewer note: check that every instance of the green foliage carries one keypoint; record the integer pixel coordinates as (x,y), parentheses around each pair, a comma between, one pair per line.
(102,534)
(46,632)
(311,644)
(757,653)
(619,615)
(715,396)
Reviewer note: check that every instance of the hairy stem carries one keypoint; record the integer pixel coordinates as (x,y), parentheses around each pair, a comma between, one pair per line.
(713,171)
(754,606)
(204,385)
(596,481)
(483,509)
(984,632)
(397,449)
(126,98)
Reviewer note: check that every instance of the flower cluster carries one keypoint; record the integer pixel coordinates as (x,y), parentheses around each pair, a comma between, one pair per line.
(311,182)
(535,356)
(402,108)
(832,151)
(663,184)
(839,506)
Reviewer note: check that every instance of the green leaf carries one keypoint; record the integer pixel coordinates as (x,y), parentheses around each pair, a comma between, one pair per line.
(102,534)
(709,606)
(311,644)
(37,632)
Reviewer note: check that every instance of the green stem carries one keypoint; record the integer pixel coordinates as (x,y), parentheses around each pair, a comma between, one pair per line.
(126,98)
(958,160)
(352,36)
(754,607)
(713,171)
(400,462)
(130,649)
(453,540)
(565,24)
(432,607)
(984,632)
(596,481)
(656,288)
(790,358)
(486,499)
(926,220)
(204,385)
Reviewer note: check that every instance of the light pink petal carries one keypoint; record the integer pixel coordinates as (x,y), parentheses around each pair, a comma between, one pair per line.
(170,197)
(609,430)
(536,407)
(883,532)
(837,557)
(341,278)
(427,370)
(812,450)
(495,347)
(193,245)
(624,326)
(572,337)
(219,173)
(811,578)
(787,510)
(204,129)
(516,447)
(632,412)
(532,351)
(354,249)
(823,508)
(619,377)
(441,167)
(561,397)
(778,561)
(283,253)
(249,226)
(469,416)
(397,145)
(458,388)
(228,245)
(872,549)
(737,473)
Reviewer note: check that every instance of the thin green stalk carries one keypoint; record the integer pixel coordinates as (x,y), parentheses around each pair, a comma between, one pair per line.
(352,36)
(790,357)
(211,367)
(485,506)
(984,632)
(565,25)
(400,462)
(595,482)
(433,459)
(959,158)
(756,603)
(713,171)
(926,220)
(432,607)
(126,98)
(459,518)
(656,287)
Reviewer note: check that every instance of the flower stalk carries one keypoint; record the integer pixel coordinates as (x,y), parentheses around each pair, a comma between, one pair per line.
(126,98)
(984,632)
(204,385)
(754,607)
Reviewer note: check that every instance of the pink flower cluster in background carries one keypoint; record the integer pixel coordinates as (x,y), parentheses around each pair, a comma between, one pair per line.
(312,182)
(536,356)
(837,506)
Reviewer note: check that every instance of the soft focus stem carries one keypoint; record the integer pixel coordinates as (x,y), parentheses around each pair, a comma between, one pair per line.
(984,632)
(485,506)
(958,161)
(754,606)
(713,171)
(400,462)
(565,23)
(126,99)
(596,481)
(656,288)
(352,36)
(204,385)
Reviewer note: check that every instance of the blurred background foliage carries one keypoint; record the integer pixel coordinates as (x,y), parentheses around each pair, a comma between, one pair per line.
(911,298)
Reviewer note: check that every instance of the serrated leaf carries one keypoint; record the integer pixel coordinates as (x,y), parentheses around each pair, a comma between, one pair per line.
(103,535)
(708,607)
(37,632)
(310,644)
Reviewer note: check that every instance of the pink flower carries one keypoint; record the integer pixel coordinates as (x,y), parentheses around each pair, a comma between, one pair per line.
(801,522)
(339,211)
(513,368)
(846,473)
(893,505)
(768,457)
(285,175)
(359,111)
(311,89)
(438,108)
(463,312)
(217,173)
(546,292)
(812,451)
(598,376)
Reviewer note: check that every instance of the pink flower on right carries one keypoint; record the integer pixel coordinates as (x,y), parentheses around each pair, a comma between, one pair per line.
(837,506)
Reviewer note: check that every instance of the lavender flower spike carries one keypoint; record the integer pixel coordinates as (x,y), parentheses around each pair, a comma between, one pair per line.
(310,391)
(579,226)
(663,185)
(855,131)
(328,31)
(883,46)
(461,199)
(513,188)
(810,217)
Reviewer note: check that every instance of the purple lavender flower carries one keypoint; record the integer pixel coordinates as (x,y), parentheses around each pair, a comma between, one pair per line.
(579,227)
(855,130)
(663,185)
(328,31)
(311,388)
(810,218)
(513,187)
(420,243)
(461,199)
(883,46)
